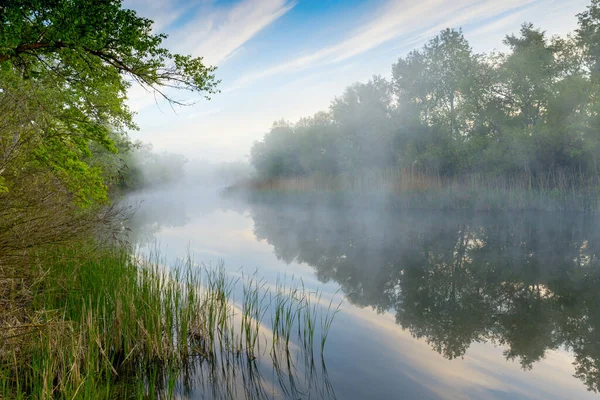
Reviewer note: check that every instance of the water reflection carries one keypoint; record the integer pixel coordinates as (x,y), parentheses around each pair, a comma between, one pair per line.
(277,370)
(176,207)
(526,281)
(229,377)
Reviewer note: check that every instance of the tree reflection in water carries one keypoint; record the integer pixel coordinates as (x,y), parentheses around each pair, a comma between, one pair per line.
(527,281)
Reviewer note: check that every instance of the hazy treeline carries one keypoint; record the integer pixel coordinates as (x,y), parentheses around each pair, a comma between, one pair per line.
(449,111)
(136,165)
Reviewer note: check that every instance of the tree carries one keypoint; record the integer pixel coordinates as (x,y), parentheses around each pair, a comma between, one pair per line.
(278,154)
(65,67)
(528,73)
(588,35)
(434,82)
(531,112)
(363,116)
(71,39)
(77,58)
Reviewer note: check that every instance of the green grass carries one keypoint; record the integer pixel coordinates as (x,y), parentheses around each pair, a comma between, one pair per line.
(100,323)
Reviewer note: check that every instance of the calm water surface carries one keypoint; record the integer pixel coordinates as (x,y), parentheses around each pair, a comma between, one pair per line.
(437,305)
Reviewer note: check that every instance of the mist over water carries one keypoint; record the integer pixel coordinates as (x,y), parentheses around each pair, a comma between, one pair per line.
(436,304)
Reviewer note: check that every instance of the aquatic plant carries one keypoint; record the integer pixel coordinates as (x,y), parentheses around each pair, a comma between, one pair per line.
(101,323)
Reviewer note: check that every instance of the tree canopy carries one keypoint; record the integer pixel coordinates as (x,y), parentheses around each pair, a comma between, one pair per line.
(65,70)
(72,61)
(529,109)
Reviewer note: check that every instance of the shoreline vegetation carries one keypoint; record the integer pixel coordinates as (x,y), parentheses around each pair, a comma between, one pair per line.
(81,316)
(411,189)
(92,322)
(515,129)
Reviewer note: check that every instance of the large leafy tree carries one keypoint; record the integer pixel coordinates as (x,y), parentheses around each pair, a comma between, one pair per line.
(77,59)
(588,34)
(363,115)
(434,82)
(83,41)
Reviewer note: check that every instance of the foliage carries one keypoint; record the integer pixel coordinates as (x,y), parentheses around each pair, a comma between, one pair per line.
(136,165)
(146,168)
(99,323)
(72,63)
(65,67)
(447,111)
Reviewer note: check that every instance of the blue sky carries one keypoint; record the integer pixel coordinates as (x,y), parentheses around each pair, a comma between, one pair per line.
(289,58)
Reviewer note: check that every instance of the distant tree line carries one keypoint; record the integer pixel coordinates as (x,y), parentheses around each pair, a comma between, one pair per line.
(446,110)
(136,165)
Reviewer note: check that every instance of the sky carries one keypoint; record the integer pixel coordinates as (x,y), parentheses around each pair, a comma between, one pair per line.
(286,59)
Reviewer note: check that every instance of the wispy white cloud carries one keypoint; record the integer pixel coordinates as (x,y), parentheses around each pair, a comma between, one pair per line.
(162,12)
(499,25)
(209,30)
(216,33)
(405,19)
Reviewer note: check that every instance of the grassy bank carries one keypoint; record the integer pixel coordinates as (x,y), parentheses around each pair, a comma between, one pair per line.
(405,188)
(90,322)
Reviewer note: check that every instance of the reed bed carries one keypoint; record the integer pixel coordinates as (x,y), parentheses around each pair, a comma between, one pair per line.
(557,190)
(100,323)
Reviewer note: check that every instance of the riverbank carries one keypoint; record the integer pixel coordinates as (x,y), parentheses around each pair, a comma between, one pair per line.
(88,322)
(92,322)
(406,189)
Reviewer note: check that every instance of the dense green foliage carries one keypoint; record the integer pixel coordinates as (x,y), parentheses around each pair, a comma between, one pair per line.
(448,111)
(69,64)
(65,68)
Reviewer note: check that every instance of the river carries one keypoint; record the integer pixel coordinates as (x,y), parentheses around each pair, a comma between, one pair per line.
(435,304)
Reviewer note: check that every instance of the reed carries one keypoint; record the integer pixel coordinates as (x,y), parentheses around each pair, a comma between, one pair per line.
(556,190)
(101,323)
